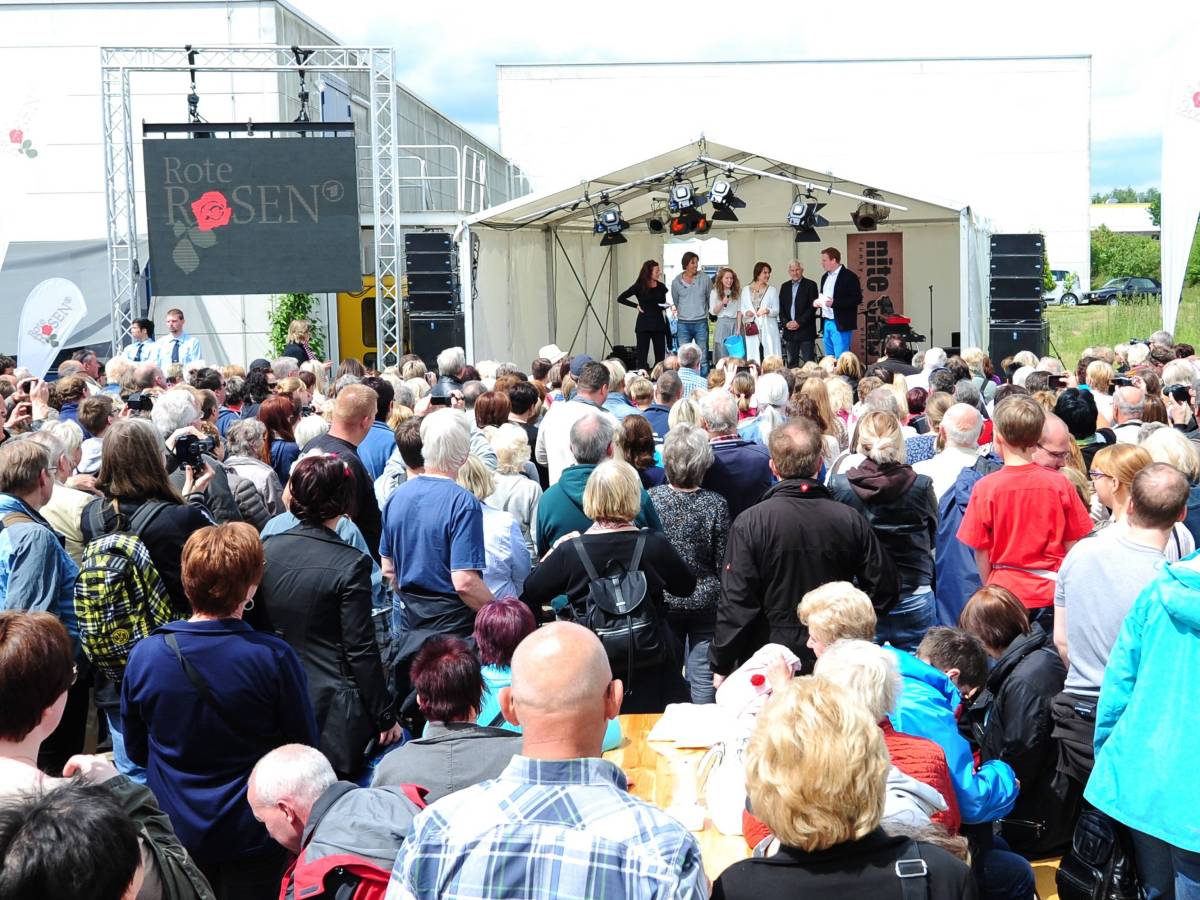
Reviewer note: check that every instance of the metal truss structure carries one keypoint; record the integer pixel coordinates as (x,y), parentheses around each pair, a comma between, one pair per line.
(378,63)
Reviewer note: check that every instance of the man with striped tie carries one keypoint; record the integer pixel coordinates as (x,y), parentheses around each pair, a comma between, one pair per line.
(142,349)
(177,346)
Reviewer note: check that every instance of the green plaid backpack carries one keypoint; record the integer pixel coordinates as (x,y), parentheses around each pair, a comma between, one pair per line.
(119,597)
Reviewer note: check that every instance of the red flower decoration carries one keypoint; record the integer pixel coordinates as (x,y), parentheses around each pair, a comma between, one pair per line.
(758,680)
(211,211)
(1196,99)
(47,330)
(16,135)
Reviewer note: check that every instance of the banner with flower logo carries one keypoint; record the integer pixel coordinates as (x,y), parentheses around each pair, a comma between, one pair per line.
(253,215)
(52,311)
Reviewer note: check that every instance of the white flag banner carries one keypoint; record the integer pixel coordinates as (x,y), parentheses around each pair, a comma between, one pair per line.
(52,311)
(1180,188)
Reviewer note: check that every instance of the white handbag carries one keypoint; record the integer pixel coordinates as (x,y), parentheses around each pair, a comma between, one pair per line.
(721,782)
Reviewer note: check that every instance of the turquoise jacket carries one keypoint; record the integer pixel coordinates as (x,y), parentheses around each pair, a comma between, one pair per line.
(1148,718)
(561,509)
(497,677)
(926,708)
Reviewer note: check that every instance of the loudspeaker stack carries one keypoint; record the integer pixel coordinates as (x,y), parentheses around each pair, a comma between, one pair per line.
(433,310)
(1017,263)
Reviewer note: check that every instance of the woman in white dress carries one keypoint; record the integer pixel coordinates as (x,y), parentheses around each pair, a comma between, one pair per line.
(764,302)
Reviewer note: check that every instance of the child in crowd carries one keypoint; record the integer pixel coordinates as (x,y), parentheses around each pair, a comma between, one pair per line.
(95,415)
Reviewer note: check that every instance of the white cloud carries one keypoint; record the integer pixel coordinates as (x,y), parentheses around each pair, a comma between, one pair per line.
(447,52)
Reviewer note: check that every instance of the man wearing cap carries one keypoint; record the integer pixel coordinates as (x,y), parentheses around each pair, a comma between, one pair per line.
(553,353)
(554,434)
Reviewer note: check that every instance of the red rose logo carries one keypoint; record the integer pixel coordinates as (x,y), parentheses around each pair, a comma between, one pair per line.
(16,135)
(211,211)
(1196,99)
(47,330)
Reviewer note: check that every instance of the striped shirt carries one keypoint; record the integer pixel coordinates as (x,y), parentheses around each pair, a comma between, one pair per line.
(692,381)
(551,829)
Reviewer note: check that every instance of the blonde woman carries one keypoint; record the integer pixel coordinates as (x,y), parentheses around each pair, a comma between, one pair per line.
(686,410)
(834,612)
(817,768)
(832,421)
(298,337)
(320,382)
(901,508)
(841,397)
(514,492)
(507,558)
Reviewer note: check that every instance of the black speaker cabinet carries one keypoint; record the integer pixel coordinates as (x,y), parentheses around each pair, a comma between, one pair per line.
(1017,266)
(1009,310)
(1008,338)
(430,335)
(1018,244)
(427,242)
(427,263)
(1016,288)
(430,292)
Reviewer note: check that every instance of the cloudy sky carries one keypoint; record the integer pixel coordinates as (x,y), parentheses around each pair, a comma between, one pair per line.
(447,51)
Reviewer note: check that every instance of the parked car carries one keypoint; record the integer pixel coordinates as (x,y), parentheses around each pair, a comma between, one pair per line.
(1066,288)
(1126,287)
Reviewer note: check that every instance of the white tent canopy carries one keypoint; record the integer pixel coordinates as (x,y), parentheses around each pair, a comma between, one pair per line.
(540,275)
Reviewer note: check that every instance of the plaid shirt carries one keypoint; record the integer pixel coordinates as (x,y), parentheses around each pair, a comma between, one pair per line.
(692,381)
(558,830)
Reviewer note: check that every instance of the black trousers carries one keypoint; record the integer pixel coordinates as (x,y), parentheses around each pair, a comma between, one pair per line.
(797,349)
(644,340)
(250,878)
(67,739)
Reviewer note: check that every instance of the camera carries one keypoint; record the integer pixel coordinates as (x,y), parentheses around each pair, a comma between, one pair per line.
(140,401)
(190,450)
(1180,393)
(306,411)
(442,400)
(1058,381)
(1122,381)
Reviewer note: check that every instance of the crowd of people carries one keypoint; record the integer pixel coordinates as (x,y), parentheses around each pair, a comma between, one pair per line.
(334,623)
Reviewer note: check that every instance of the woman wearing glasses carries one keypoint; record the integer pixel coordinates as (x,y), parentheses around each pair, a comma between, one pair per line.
(1112,473)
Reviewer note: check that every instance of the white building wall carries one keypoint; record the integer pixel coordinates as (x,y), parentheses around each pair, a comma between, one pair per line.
(1010,137)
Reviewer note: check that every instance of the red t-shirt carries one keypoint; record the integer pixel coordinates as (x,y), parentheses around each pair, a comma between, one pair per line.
(1024,516)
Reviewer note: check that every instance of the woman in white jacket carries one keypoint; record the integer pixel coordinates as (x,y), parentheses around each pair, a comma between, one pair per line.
(760,296)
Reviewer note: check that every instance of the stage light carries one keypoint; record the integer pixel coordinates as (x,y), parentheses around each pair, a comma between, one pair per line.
(804,218)
(689,222)
(682,197)
(868,215)
(724,201)
(610,224)
(656,225)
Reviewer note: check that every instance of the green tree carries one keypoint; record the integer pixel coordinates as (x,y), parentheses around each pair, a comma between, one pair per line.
(287,307)
(1115,254)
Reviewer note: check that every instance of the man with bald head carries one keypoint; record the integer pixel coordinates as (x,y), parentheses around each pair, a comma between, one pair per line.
(1053,451)
(559,820)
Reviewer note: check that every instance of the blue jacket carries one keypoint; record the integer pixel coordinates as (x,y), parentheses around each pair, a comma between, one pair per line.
(1147,718)
(926,708)
(659,418)
(956,576)
(740,472)
(36,573)
(197,765)
(376,448)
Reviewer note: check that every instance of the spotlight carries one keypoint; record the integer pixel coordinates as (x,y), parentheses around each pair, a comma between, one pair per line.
(804,218)
(610,224)
(868,215)
(690,221)
(655,224)
(682,197)
(724,201)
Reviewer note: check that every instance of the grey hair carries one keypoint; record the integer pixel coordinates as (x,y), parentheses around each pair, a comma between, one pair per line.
(403,394)
(451,360)
(292,772)
(173,410)
(591,436)
(308,428)
(669,387)
(1162,338)
(68,432)
(511,444)
(52,445)
(246,437)
(1124,406)
(966,392)
(285,367)
(866,670)
(771,392)
(1051,365)
(344,382)
(934,357)
(471,392)
(689,355)
(882,400)
(719,412)
(687,455)
(445,441)
(963,424)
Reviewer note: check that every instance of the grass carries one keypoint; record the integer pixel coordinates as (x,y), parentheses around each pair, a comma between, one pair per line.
(1074,329)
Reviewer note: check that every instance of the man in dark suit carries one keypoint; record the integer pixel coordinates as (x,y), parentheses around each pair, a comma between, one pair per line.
(797,318)
(841,295)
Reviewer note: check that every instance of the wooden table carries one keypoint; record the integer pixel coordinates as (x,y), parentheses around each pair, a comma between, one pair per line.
(650,768)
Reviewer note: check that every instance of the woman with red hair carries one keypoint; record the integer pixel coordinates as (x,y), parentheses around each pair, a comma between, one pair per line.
(278,413)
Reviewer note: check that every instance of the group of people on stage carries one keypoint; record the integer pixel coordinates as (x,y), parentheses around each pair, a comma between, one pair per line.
(784,321)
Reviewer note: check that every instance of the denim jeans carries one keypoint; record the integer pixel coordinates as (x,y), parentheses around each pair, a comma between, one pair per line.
(1005,875)
(696,332)
(121,759)
(906,623)
(836,342)
(694,634)
(1165,870)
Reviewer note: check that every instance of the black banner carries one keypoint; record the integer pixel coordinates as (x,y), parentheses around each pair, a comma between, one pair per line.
(252,215)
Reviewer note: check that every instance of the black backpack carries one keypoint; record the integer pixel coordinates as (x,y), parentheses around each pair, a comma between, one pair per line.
(1099,865)
(618,610)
